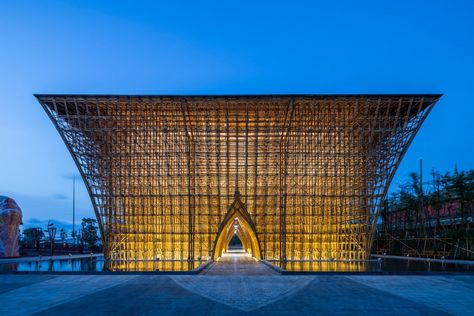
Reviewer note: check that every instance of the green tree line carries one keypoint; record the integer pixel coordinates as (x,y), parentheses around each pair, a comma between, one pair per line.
(440,208)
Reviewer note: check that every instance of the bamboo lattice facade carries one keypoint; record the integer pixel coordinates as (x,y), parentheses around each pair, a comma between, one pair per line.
(305,174)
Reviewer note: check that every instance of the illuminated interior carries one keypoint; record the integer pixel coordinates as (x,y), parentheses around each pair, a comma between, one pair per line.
(299,178)
(237,221)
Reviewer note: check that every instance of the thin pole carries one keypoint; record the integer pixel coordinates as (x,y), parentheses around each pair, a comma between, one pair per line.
(73,208)
(421,176)
(422,207)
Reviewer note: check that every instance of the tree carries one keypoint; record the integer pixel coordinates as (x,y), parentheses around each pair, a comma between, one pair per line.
(63,235)
(441,213)
(33,235)
(89,231)
(436,198)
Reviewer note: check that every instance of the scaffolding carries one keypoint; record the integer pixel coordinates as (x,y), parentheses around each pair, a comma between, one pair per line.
(163,172)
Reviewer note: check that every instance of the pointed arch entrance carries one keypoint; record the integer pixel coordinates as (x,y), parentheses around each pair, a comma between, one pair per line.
(237,221)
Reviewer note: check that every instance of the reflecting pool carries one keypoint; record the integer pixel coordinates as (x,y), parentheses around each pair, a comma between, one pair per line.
(84,264)
(385,265)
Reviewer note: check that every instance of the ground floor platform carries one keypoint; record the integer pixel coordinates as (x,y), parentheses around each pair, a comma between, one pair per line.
(236,294)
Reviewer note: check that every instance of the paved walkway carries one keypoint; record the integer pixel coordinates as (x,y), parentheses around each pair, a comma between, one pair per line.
(236,284)
(238,263)
(236,295)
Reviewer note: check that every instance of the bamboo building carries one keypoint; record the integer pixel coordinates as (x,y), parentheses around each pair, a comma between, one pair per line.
(299,178)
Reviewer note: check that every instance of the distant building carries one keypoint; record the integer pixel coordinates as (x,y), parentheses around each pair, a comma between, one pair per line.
(444,230)
(405,219)
(10,219)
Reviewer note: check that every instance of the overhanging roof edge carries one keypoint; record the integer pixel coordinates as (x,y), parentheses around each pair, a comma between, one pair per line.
(178,96)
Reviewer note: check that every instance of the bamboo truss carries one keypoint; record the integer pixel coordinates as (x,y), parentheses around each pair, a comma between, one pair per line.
(305,174)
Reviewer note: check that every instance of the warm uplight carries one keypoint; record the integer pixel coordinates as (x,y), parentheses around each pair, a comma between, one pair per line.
(296,178)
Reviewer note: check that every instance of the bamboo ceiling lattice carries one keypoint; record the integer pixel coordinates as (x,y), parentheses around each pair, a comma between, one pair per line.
(163,171)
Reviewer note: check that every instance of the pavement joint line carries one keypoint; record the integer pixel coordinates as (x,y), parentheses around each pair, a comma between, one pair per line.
(220,289)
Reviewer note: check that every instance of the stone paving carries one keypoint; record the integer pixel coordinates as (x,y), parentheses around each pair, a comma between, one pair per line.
(238,264)
(240,292)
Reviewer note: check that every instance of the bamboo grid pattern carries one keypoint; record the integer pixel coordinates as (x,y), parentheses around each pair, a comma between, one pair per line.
(162,171)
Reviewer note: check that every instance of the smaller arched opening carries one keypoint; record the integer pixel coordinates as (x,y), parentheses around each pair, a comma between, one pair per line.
(235,244)
(237,224)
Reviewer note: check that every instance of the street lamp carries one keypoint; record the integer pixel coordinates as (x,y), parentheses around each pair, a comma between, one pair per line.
(52,235)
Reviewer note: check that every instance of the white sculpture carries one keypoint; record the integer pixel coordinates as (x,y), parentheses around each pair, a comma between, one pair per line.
(10,219)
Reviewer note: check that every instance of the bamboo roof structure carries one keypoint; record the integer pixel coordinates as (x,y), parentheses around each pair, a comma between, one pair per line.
(297,177)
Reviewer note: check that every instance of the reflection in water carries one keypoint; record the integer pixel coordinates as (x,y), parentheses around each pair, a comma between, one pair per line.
(90,264)
(385,265)
(97,264)
(153,265)
(327,266)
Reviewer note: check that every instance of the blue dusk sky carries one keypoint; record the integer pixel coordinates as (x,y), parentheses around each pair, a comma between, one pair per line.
(223,47)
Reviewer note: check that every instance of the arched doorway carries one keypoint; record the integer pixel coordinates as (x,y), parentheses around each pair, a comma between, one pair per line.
(237,222)
(235,244)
